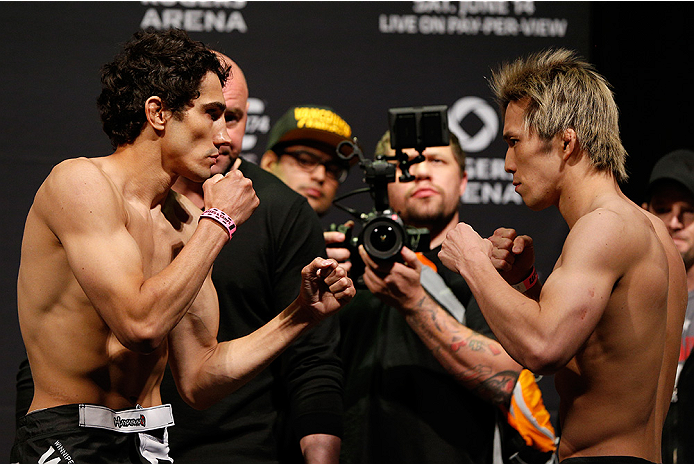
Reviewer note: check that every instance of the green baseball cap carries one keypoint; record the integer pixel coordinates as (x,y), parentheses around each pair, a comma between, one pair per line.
(309,123)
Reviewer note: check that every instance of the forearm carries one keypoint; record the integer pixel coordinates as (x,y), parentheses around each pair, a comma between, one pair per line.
(320,448)
(224,367)
(519,323)
(477,362)
(166,296)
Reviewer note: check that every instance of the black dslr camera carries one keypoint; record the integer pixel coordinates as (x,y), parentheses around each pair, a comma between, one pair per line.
(383,233)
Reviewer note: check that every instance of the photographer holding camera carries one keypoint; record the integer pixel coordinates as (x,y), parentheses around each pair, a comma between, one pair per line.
(422,385)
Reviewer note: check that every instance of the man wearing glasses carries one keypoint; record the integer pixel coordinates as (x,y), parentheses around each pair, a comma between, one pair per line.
(301,152)
(670,196)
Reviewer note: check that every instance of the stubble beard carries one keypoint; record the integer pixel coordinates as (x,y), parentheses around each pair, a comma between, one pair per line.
(431,216)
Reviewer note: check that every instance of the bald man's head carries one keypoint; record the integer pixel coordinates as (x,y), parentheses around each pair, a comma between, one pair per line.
(236,113)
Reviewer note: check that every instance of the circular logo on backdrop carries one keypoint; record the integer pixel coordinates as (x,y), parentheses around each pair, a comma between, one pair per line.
(463,108)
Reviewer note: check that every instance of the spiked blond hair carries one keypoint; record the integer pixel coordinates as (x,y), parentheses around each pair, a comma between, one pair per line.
(563,92)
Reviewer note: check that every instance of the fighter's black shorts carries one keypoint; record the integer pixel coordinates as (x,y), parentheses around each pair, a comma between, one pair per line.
(606,460)
(80,433)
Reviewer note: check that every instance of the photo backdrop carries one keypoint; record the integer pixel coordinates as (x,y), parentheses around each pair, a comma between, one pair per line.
(360,58)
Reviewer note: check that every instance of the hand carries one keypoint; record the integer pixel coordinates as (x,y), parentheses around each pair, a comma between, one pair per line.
(325,288)
(396,284)
(232,193)
(462,245)
(512,255)
(339,254)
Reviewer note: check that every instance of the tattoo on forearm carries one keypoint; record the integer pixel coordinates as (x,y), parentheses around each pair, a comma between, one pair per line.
(451,342)
(498,388)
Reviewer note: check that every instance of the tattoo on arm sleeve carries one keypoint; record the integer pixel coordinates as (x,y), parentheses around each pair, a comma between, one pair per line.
(466,354)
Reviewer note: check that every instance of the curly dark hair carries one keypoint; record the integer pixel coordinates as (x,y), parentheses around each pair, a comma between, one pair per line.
(168,64)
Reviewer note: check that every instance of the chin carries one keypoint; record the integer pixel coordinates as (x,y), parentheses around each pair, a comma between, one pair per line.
(320,210)
(534,206)
(201,176)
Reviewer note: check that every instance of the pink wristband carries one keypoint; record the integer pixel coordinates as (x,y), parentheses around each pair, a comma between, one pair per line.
(222,218)
(528,283)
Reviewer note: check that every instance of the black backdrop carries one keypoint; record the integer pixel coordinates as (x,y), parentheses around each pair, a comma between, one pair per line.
(361,58)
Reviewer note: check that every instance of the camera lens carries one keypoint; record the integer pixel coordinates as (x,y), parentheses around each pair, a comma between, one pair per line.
(383,237)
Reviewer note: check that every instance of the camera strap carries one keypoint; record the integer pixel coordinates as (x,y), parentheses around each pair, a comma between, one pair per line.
(435,286)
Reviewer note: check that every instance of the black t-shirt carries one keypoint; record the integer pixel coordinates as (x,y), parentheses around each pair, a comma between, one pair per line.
(400,404)
(257,275)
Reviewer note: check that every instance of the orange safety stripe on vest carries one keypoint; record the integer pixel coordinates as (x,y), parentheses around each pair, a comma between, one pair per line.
(528,414)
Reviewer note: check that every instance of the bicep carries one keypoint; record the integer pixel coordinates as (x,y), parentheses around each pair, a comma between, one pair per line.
(89,221)
(107,265)
(575,295)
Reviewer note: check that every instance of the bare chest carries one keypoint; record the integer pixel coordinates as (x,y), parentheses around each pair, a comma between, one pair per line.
(160,235)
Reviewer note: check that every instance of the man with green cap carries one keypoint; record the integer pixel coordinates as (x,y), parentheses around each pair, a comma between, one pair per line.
(301,151)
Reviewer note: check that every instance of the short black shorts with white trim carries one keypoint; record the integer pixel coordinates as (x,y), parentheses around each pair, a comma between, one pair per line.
(79,433)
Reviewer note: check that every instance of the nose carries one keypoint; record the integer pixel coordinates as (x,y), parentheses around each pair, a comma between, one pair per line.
(509,163)
(673,220)
(222,137)
(318,173)
(421,170)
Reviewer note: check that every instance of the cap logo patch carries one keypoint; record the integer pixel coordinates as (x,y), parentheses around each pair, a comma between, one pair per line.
(320,119)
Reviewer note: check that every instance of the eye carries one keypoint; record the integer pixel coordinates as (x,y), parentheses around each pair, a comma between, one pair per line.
(214,113)
(232,117)
(687,217)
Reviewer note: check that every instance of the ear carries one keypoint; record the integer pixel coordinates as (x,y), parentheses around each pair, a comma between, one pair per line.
(156,115)
(569,143)
(268,160)
(463,185)
(644,205)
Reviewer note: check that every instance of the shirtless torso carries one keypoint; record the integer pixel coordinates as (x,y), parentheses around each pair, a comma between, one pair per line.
(608,318)
(616,389)
(74,354)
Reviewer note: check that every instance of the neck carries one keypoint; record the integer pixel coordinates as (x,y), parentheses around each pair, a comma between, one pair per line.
(138,171)
(192,190)
(439,231)
(584,190)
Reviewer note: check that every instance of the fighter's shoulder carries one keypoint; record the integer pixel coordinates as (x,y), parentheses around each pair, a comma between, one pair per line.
(77,184)
(617,231)
(76,175)
(605,233)
(599,222)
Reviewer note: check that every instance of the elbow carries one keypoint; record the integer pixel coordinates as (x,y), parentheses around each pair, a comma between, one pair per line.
(142,339)
(196,398)
(544,360)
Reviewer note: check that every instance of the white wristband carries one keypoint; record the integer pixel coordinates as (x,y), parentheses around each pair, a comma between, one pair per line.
(222,218)
(528,283)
